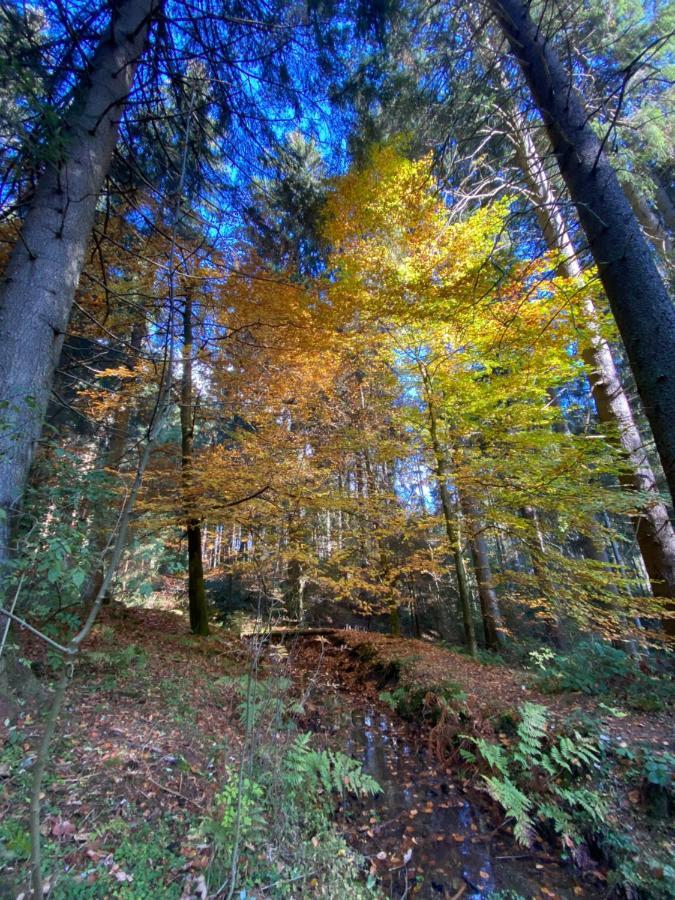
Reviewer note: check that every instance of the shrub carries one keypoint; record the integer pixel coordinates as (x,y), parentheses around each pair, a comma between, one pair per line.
(597,668)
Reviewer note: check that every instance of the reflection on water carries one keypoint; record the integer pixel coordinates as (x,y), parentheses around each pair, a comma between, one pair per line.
(454,852)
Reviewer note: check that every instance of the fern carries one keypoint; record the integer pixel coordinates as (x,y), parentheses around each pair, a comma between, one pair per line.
(493,755)
(578,752)
(563,758)
(582,798)
(531,733)
(467,755)
(561,820)
(330,770)
(517,806)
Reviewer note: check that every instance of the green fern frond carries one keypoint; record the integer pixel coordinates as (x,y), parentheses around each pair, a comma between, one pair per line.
(493,755)
(531,732)
(516,805)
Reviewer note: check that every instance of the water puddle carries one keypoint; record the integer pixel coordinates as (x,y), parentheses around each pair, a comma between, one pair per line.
(423,837)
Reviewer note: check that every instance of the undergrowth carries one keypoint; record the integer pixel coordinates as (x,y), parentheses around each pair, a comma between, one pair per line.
(598,669)
(565,784)
(273,825)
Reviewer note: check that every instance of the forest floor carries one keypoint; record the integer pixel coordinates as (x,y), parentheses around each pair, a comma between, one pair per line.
(151,733)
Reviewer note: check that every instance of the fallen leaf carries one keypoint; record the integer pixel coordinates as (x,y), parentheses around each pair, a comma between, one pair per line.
(62,828)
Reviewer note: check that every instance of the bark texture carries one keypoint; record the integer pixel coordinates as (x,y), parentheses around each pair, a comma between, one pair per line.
(637,295)
(39,283)
(654,531)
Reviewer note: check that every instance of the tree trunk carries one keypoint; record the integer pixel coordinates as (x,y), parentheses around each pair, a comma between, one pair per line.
(537,549)
(637,295)
(39,283)
(295,590)
(663,203)
(451,529)
(493,625)
(654,531)
(652,225)
(199,620)
(112,461)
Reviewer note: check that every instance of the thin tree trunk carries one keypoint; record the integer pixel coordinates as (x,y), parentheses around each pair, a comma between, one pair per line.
(39,283)
(537,549)
(112,461)
(451,528)
(651,224)
(654,531)
(294,587)
(644,312)
(199,620)
(493,625)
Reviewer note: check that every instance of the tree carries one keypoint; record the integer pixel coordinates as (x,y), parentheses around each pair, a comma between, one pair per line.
(643,311)
(199,623)
(41,277)
(188,53)
(480,340)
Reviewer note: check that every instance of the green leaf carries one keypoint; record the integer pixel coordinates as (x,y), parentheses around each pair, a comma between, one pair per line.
(78,577)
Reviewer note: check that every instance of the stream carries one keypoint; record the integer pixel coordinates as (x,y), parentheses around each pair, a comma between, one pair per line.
(425,839)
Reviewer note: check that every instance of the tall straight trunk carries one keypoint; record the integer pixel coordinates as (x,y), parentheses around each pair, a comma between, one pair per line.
(654,531)
(493,625)
(199,620)
(536,546)
(644,313)
(451,529)
(39,283)
(294,587)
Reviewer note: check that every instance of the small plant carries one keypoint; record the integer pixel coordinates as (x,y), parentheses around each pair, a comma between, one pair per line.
(14,841)
(329,770)
(262,699)
(240,813)
(541,658)
(274,819)
(537,778)
(145,866)
(130,657)
(413,701)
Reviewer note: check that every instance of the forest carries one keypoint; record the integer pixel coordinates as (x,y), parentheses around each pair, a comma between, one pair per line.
(337,449)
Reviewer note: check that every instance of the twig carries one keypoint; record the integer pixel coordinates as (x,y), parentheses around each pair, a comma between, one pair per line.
(70,651)
(272,884)
(10,613)
(169,790)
